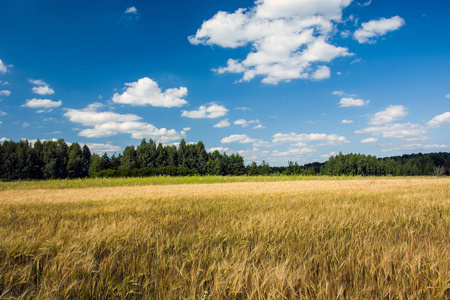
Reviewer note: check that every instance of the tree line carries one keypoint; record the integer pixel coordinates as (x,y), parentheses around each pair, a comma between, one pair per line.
(353,164)
(24,160)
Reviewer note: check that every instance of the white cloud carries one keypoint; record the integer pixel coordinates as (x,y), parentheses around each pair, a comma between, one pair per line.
(322,72)
(439,120)
(238,138)
(294,151)
(90,117)
(261,143)
(244,139)
(338,93)
(435,146)
(390,114)
(413,147)
(102,148)
(220,149)
(329,9)
(145,91)
(2,113)
(259,126)
(210,112)
(347,121)
(3,67)
(369,140)
(138,130)
(404,131)
(5,93)
(3,139)
(36,81)
(41,87)
(222,124)
(303,139)
(290,39)
(447,96)
(350,102)
(376,28)
(108,123)
(253,154)
(245,123)
(244,109)
(42,103)
(43,90)
(131,10)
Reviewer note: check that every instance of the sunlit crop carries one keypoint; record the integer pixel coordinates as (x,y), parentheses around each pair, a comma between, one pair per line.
(360,238)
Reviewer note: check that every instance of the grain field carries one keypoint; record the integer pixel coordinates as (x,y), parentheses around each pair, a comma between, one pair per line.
(359,238)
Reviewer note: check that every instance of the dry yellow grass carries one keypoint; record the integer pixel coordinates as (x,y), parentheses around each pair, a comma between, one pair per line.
(361,238)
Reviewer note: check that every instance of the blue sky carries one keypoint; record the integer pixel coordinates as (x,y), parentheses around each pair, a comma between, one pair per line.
(273,80)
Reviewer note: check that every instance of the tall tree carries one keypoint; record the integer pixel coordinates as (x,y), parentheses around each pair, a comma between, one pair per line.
(75,161)
(86,161)
(129,158)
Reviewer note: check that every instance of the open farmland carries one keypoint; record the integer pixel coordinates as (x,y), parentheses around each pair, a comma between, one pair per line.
(322,238)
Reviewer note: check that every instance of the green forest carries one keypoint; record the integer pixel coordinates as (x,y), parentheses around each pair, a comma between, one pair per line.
(23,160)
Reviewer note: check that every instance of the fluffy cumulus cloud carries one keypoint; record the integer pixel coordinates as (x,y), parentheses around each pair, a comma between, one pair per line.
(238,138)
(131,10)
(338,93)
(3,139)
(244,123)
(222,124)
(350,102)
(102,148)
(390,114)
(347,121)
(244,139)
(290,39)
(371,30)
(303,139)
(109,123)
(322,72)
(440,120)
(91,117)
(41,87)
(5,93)
(3,67)
(42,103)
(209,111)
(259,126)
(145,91)
(404,131)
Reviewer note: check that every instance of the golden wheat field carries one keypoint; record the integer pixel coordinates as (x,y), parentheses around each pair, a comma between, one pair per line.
(308,239)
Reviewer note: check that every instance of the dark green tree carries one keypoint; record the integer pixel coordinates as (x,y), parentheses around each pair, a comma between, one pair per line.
(75,161)
(86,161)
